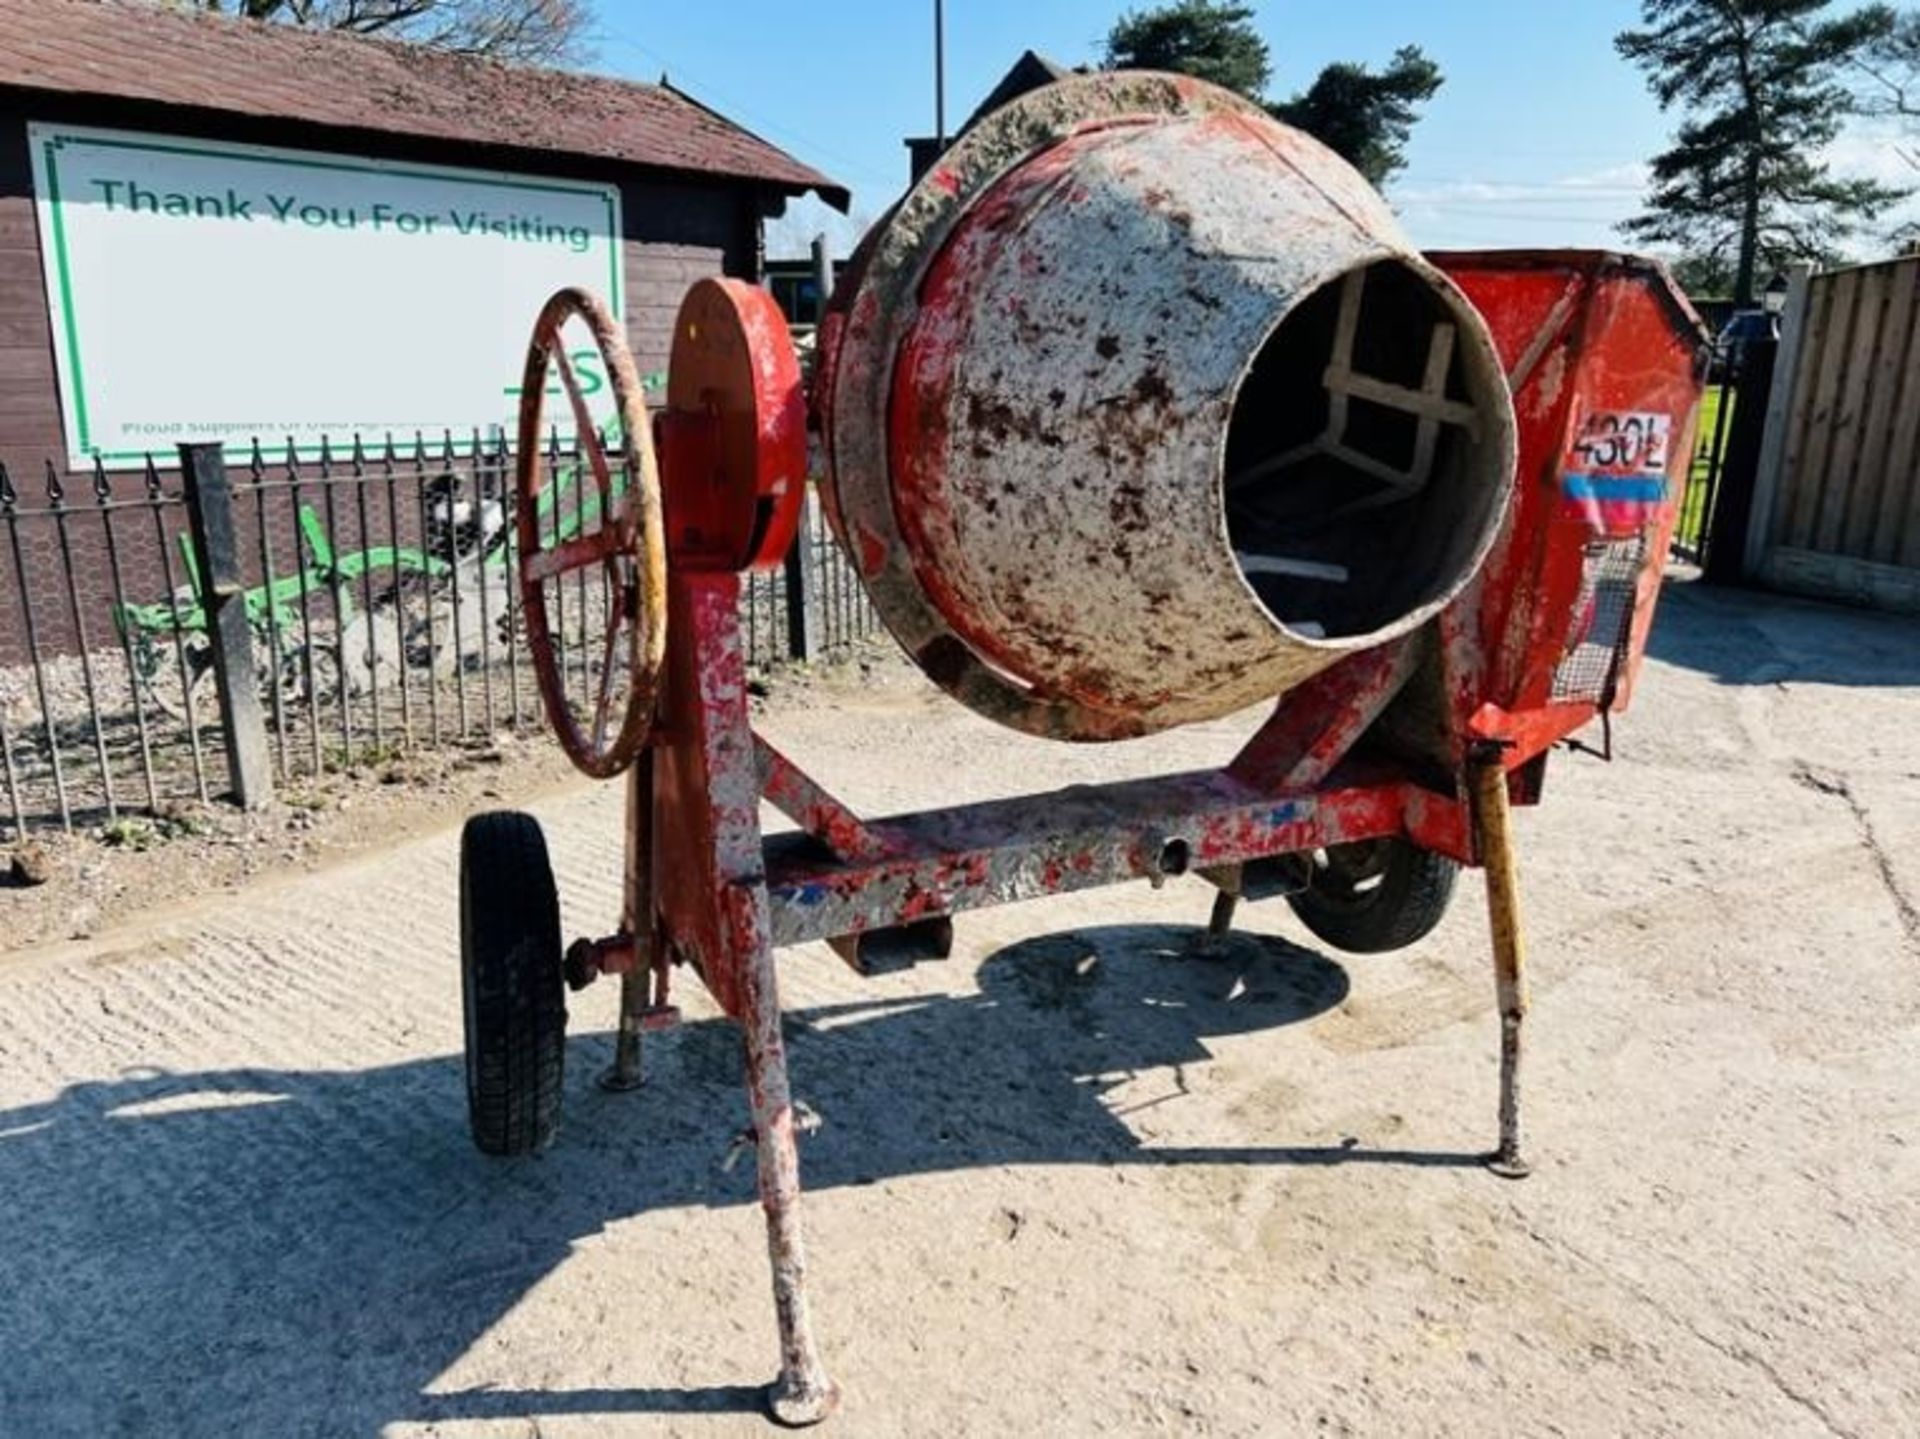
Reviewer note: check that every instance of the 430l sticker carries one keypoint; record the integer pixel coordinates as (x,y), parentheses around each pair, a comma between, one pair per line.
(1629,443)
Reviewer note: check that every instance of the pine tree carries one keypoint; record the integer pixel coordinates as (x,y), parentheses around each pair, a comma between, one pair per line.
(1363,116)
(1890,68)
(1208,40)
(1366,117)
(1758,84)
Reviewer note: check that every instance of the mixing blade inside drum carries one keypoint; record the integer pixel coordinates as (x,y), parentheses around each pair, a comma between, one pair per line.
(1350,491)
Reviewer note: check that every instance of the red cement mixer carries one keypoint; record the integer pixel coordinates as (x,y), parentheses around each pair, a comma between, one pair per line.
(1138,410)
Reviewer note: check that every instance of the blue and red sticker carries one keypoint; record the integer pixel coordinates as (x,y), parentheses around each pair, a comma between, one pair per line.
(1616,471)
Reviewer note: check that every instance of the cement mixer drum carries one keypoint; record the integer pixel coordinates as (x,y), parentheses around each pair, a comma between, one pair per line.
(1140,409)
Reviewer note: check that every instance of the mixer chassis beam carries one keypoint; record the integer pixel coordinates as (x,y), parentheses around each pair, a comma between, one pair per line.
(727,895)
(943,862)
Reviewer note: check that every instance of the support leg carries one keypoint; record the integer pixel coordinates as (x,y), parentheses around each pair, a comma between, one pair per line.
(1225,903)
(1494,836)
(625,1072)
(1220,922)
(803,1394)
(636,919)
(712,894)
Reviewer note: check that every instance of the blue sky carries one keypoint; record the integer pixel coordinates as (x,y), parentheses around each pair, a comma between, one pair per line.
(1537,138)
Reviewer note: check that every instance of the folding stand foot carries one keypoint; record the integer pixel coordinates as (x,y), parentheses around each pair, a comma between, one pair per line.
(1213,942)
(636,919)
(1493,831)
(1220,922)
(797,1408)
(625,1074)
(1514,1168)
(615,1080)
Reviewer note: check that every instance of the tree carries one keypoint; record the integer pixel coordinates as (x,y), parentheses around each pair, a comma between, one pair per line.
(1703,276)
(1213,42)
(1364,117)
(1891,67)
(542,31)
(1892,92)
(1758,82)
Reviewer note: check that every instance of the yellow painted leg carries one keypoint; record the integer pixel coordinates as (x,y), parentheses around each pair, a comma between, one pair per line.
(1493,832)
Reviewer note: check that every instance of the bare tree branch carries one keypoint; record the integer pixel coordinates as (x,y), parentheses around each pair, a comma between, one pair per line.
(540,31)
(1890,71)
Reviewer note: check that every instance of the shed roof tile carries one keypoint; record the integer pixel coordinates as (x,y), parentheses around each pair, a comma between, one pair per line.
(192,59)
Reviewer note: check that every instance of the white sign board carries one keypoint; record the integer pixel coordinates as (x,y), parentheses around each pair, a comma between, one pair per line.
(207,291)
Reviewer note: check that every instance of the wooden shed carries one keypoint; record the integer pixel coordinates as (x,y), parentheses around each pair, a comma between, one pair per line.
(693,187)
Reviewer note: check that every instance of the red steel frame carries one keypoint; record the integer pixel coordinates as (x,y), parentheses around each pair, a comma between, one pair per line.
(1583,336)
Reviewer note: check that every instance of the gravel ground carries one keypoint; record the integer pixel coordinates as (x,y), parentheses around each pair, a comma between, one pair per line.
(106,871)
(1072,1181)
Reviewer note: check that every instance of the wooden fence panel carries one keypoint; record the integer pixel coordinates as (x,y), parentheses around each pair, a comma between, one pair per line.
(1910,528)
(1838,497)
(1875,472)
(1836,481)
(1815,389)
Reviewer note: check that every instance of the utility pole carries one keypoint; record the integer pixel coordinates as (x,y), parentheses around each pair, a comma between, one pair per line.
(940,73)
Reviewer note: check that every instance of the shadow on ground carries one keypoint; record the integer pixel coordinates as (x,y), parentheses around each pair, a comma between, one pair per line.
(1748,637)
(186,1253)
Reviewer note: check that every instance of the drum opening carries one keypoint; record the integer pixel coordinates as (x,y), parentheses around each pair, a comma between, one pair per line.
(1366,455)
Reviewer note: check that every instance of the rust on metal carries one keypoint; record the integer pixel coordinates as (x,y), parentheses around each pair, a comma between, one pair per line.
(736,427)
(1602,350)
(1089,513)
(1053,440)
(1315,725)
(630,548)
(1493,838)
(806,802)
(637,927)
(803,1394)
(711,897)
(945,862)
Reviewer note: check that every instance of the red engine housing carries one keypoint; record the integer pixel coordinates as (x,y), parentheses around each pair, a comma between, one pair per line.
(1605,359)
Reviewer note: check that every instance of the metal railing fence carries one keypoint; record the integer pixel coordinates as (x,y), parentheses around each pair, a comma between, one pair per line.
(381,618)
(1728,388)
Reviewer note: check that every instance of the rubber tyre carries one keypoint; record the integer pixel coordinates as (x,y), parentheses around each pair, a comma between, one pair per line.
(1409,893)
(512,990)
